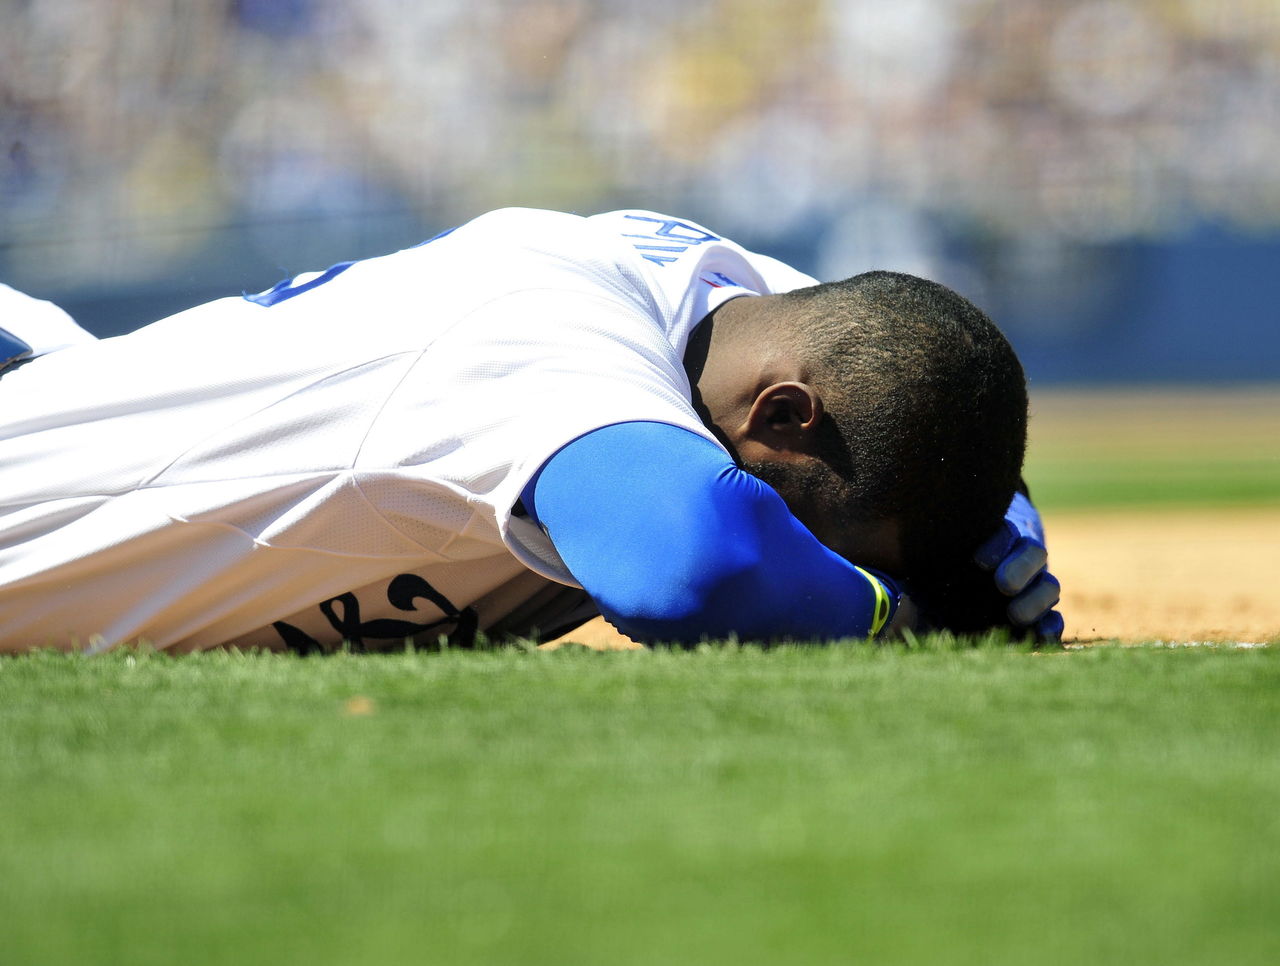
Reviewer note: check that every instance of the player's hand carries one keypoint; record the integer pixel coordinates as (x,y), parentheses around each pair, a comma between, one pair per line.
(1018,560)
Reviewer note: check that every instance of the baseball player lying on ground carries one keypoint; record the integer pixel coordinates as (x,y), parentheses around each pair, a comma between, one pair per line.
(528,420)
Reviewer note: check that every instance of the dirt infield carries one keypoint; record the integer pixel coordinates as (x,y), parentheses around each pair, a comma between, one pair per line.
(1167,574)
(1172,575)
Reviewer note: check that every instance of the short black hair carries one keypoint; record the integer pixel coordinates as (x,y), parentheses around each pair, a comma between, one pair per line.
(925,409)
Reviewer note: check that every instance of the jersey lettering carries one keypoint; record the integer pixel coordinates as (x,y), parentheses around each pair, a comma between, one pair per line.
(669,236)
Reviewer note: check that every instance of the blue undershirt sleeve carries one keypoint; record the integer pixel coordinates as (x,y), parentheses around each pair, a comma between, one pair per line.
(675,543)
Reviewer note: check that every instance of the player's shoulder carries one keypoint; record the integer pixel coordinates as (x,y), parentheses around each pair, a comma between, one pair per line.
(511,236)
(642,220)
(654,248)
(517,225)
(624,225)
(640,227)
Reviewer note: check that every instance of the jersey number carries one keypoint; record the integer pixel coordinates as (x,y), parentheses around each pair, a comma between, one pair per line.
(343,614)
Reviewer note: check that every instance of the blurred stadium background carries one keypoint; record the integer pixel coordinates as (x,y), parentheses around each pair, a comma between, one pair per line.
(1101,175)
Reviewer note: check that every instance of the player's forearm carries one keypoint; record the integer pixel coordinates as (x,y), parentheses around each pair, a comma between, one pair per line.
(675,543)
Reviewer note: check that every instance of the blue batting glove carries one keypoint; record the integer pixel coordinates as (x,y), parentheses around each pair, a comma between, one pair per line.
(1016,554)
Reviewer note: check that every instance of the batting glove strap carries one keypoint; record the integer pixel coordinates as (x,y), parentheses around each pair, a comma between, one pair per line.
(888,597)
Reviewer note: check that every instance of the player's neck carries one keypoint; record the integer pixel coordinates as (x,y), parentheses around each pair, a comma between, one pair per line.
(731,356)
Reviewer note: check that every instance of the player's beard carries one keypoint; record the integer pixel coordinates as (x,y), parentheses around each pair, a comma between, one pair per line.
(815,493)
(828,505)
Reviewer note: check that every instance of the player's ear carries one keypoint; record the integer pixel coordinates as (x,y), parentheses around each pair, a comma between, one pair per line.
(785,415)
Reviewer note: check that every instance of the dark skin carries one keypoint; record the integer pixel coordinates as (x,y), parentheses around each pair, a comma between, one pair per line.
(757,396)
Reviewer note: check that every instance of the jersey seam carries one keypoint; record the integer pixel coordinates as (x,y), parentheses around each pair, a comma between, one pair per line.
(400,382)
(150,481)
(221,525)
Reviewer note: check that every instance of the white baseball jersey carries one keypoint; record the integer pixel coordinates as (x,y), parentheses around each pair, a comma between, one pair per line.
(42,325)
(339,458)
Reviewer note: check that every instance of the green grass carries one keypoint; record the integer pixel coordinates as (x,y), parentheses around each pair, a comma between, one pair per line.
(1182,446)
(829,805)
(1088,481)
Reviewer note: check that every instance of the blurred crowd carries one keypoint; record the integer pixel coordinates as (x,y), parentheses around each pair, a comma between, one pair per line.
(135,133)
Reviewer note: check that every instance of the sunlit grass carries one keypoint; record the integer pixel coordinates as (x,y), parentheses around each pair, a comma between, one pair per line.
(936,803)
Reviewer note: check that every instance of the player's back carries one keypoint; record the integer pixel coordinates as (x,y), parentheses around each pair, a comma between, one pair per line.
(119,410)
(261,457)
